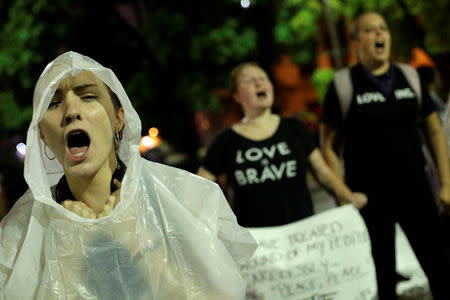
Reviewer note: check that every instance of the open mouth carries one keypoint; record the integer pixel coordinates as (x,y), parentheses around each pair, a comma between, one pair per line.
(379,44)
(78,144)
(261,94)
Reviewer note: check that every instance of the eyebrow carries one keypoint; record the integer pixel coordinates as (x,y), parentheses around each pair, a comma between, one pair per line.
(82,87)
(77,89)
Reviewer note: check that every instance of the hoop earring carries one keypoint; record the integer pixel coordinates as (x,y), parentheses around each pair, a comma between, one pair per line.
(46,154)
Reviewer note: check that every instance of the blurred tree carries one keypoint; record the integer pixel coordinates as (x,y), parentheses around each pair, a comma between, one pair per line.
(19,35)
(412,23)
(321,78)
(189,53)
(170,54)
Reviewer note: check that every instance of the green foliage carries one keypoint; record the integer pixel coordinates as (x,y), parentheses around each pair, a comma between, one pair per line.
(298,23)
(11,114)
(163,30)
(19,35)
(140,92)
(224,43)
(172,40)
(321,78)
(177,55)
(297,28)
(192,90)
(436,25)
(201,56)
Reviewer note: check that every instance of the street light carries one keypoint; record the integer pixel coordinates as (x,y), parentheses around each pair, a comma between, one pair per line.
(245,3)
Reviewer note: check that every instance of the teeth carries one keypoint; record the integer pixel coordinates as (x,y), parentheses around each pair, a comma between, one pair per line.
(78,151)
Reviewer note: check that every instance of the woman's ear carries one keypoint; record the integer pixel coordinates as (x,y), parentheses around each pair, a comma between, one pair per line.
(120,118)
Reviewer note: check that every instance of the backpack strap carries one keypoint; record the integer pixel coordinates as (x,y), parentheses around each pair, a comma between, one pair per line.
(430,165)
(413,79)
(344,89)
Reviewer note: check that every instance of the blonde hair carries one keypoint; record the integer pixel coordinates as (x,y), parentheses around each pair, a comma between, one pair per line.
(237,70)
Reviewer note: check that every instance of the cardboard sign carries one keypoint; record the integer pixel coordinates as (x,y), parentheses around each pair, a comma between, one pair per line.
(324,257)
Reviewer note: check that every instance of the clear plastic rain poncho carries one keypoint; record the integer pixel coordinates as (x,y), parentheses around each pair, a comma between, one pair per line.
(172,235)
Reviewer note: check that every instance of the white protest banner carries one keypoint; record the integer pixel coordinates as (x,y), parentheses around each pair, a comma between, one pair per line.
(406,264)
(324,257)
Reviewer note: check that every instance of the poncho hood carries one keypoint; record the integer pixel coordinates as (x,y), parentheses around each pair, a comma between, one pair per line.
(41,172)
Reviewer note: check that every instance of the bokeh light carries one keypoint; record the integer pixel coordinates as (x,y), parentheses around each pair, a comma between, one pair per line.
(148,143)
(153,132)
(21,150)
(245,3)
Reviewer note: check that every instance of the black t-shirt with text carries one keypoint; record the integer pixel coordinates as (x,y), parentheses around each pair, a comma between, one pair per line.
(381,131)
(267,176)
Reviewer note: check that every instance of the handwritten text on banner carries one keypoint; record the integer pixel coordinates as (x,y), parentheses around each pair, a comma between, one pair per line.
(324,257)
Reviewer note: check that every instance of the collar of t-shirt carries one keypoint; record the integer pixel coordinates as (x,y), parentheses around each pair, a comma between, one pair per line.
(383,82)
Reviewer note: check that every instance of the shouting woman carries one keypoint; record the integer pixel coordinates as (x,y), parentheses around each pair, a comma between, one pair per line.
(100,222)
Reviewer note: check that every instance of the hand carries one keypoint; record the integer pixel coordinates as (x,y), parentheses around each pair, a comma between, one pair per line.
(80,209)
(359,200)
(112,201)
(116,193)
(108,208)
(444,198)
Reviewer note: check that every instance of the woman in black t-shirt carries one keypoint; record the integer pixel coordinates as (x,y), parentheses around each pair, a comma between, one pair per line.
(265,157)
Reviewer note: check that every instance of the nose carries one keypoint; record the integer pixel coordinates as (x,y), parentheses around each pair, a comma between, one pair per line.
(379,30)
(72,112)
(72,117)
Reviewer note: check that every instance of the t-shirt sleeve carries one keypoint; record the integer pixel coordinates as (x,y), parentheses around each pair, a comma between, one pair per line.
(214,160)
(427,106)
(305,136)
(331,114)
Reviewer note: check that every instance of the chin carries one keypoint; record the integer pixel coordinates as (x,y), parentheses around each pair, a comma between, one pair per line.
(84,168)
(378,61)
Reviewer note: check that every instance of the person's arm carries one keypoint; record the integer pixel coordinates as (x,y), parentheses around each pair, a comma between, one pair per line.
(332,182)
(439,147)
(206,174)
(213,164)
(330,126)
(327,140)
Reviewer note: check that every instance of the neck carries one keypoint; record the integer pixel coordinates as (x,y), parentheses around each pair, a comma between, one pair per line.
(377,68)
(94,190)
(257,117)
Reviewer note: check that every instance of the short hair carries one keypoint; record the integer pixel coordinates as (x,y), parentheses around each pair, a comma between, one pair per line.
(354,29)
(237,70)
(115,100)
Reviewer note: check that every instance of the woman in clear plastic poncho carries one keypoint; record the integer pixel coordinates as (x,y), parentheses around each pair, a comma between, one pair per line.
(150,232)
